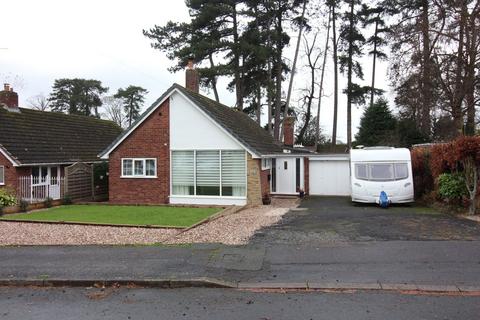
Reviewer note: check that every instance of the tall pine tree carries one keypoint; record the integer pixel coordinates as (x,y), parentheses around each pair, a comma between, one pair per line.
(351,44)
(133,98)
(77,96)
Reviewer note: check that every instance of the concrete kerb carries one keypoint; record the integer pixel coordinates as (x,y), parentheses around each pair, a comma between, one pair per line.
(206,282)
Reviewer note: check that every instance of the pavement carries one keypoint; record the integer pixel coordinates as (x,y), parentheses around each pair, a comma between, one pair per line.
(325,244)
(131,303)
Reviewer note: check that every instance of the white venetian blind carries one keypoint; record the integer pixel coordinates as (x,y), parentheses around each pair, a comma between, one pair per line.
(208,172)
(233,173)
(183,170)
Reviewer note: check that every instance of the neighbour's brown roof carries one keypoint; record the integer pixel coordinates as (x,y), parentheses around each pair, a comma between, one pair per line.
(34,137)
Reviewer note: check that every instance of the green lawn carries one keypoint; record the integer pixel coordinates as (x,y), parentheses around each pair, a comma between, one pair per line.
(122,215)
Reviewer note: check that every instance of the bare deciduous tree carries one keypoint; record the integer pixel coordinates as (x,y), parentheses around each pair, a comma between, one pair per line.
(39,102)
(114,111)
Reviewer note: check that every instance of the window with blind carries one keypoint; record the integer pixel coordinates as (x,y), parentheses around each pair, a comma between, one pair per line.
(209,173)
(233,173)
(183,173)
(2,175)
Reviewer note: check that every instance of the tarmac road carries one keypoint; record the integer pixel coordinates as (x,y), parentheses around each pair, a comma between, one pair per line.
(124,303)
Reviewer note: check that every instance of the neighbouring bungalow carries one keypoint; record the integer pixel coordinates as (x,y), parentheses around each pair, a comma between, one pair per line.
(36,146)
(189,149)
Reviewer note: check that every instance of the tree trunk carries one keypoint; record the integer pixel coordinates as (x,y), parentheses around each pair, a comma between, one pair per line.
(425,124)
(349,76)
(317,125)
(372,93)
(471,179)
(471,39)
(458,95)
(258,111)
(294,65)
(236,54)
(278,76)
(269,98)
(214,79)
(310,97)
(335,78)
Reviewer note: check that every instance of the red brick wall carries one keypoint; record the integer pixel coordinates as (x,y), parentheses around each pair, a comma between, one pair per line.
(150,140)
(265,183)
(10,172)
(306,175)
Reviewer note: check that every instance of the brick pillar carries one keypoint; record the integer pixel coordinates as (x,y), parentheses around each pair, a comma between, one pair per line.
(288,131)
(306,175)
(254,184)
(192,80)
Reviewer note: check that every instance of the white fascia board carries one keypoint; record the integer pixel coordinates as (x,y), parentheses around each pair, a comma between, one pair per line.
(9,158)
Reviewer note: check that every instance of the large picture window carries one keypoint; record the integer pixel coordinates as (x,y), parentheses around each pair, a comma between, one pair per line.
(139,168)
(209,173)
(2,175)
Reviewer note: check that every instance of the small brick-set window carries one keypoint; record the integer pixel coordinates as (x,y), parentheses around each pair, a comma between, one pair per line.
(2,175)
(139,168)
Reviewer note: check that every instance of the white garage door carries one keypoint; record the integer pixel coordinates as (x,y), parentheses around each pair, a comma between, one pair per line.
(329,177)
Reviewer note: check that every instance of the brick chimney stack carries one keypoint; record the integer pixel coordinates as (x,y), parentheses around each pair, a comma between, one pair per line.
(192,80)
(288,131)
(9,98)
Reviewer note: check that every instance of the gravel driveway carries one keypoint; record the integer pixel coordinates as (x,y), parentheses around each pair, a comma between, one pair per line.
(232,229)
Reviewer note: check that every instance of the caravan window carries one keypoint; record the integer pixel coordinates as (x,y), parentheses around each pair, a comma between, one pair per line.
(401,171)
(361,171)
(381,171)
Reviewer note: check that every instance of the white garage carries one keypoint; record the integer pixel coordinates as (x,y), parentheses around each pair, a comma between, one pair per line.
(329,175)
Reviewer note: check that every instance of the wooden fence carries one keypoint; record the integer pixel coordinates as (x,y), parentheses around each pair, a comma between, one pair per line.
(81,184)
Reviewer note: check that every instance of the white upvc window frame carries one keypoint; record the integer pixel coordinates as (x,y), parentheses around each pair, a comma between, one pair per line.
(195,195)
(2,176)
(143,175)
(266,163)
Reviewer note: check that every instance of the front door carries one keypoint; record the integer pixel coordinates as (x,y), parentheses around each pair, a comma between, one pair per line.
(286,175)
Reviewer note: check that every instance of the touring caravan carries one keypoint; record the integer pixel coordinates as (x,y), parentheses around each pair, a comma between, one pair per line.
(380,174)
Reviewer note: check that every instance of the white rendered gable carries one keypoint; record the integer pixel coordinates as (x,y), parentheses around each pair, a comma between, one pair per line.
(191,129)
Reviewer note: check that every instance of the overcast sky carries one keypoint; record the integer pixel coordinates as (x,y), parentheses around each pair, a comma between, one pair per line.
(49,39)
